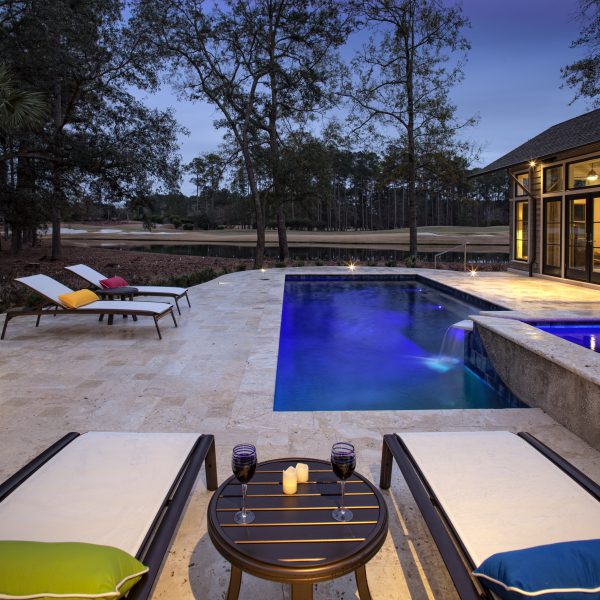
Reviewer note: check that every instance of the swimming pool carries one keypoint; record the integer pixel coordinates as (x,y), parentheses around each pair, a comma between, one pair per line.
(582,334)
(372,345)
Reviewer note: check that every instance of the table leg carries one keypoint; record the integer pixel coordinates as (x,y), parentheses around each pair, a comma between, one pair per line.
(362,584)
(131,300)
(110,319)
(302,591)
(235,582)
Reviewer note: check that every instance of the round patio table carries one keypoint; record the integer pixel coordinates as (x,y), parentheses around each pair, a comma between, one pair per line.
(118,293)
(294,539)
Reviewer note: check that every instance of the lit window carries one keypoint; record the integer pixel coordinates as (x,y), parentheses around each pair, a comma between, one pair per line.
(521,246)
(523,179)
(553,179)
(584,174)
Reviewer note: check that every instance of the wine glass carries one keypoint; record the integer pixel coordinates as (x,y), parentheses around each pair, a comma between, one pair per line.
(343,461)
(243,465)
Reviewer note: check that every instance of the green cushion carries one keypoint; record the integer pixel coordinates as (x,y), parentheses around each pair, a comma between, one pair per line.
(71,570)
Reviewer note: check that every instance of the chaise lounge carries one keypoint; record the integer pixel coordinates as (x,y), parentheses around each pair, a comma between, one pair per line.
(490,497)
(96,279)
(51,290)
(123,490)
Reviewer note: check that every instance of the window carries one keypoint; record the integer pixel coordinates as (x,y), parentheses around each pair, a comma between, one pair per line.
(521,219)
(553,179)
(584,174)
(552,226)
(523,179)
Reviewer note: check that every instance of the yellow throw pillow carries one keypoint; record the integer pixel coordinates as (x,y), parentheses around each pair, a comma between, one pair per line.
(78,298)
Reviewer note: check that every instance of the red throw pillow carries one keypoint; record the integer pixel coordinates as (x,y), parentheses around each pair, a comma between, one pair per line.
(113,282)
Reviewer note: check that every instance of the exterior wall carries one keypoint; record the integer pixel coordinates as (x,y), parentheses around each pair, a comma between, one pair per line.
(541,381)
(536,188)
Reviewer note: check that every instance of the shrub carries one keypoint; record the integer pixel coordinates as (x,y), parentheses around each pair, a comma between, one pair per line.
(188,227)
(240,267)
(391,263)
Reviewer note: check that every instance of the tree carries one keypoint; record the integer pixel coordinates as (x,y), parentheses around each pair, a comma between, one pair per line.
(584,74)
(261,63)
(405,75)
(97,137)
(299,39)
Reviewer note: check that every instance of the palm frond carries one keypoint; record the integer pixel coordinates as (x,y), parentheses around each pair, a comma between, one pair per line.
(19,109)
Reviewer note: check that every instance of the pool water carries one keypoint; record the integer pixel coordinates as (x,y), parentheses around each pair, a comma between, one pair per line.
(373,346)
(586,335)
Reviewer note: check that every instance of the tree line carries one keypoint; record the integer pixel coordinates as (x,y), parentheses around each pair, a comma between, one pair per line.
(74,134)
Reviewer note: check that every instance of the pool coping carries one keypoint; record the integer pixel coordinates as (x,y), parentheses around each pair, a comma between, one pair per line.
(577,359)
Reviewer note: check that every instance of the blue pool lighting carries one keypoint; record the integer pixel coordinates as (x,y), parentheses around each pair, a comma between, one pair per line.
(373,345)
(584,334)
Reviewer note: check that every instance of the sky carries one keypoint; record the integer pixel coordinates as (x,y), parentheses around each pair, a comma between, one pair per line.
(512,78)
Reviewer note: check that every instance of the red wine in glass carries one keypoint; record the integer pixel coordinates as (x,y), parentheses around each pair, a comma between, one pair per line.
(343,462)
(243,465)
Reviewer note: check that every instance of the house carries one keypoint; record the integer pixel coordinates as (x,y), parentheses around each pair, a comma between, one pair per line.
(555,200)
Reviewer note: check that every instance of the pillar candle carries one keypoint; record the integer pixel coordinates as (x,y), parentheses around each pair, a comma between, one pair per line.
(302,472)
(290,483)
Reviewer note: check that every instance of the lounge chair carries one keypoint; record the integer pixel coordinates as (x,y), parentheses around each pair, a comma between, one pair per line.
(489,492)
(51,289)
(93,277)
(126,490)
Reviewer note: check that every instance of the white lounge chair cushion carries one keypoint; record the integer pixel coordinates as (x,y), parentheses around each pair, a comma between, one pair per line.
(155,307)
(95,278)
(500,493)
(159,289)
(103,488)
(46,286)
(87,273)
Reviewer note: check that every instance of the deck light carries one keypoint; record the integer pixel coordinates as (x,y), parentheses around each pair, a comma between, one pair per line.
(473,272)
(352,266)
(592,175)
(263,270)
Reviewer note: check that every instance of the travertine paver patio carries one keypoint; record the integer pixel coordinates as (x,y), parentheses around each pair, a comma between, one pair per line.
(216,374)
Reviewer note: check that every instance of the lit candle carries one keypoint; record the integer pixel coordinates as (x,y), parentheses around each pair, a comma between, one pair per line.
(290,482)
(302,472)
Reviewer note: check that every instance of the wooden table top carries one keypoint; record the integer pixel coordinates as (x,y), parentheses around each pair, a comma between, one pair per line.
(117,291)
(294,537)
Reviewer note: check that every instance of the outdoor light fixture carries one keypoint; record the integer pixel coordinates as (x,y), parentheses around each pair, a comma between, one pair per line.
(532,163)
(263,270)
(473,272)
(351,266)
(592,175)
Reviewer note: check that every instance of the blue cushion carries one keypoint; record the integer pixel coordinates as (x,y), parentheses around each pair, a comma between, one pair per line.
(564,571)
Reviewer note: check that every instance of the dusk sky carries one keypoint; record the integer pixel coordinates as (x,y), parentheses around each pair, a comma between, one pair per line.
(512,78)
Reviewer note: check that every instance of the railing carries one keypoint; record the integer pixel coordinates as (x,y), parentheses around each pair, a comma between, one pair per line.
(465,244)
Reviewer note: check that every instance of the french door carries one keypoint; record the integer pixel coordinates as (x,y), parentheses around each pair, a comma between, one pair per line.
(582,258)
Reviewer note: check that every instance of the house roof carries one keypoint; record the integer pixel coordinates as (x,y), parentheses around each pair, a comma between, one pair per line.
(576,132)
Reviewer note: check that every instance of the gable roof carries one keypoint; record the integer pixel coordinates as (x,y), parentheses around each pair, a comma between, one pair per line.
(576,132)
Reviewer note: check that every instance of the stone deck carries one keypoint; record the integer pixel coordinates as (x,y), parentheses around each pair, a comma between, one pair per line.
(216,374)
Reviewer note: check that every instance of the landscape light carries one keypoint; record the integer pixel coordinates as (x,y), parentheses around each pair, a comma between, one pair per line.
(263,270)
(351,266)
(592,175)
(473,272)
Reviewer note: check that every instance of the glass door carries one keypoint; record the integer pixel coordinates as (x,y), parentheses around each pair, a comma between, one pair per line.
(594,237)
(583,238)
(552,233)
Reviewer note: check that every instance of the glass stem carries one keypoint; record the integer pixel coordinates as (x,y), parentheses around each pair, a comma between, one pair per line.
(244,488)
(342,509)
